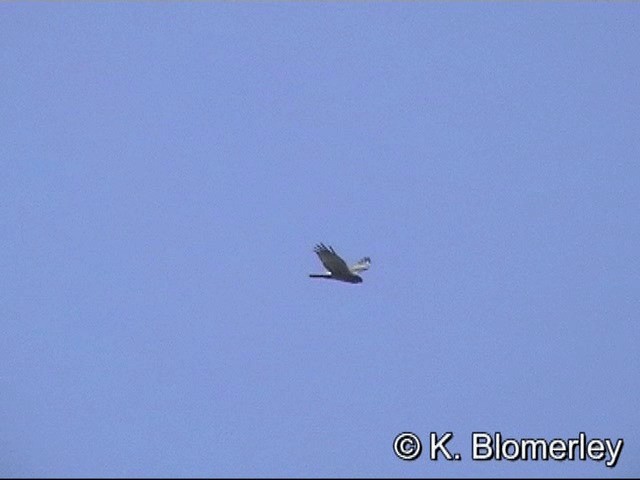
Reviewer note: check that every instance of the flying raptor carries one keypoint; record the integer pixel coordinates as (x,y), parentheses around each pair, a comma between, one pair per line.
(336,267)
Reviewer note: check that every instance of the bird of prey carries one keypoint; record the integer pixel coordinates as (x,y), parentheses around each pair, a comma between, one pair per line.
(336,266)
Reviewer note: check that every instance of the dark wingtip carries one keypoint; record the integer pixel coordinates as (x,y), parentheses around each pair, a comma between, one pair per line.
(320,247)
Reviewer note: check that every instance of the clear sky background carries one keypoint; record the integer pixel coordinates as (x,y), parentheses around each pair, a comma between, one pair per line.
(167,168)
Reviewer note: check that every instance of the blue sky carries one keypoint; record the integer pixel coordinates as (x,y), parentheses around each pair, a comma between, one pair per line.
(167,169)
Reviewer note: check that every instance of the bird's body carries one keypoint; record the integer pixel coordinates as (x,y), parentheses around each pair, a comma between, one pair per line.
(336,267)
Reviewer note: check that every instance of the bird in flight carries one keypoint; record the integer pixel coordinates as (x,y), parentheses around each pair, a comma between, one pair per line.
(336,266)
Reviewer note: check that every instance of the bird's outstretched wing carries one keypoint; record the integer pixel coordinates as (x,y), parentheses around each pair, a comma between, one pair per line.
(361,266)
(331,260)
